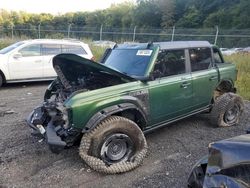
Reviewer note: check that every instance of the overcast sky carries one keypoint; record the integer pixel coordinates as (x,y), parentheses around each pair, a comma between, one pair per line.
(56,6)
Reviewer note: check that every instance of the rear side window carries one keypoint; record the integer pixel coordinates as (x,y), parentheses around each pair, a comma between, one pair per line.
(200,58)
(31,50)
(170,62)
(51,49)
(74,49)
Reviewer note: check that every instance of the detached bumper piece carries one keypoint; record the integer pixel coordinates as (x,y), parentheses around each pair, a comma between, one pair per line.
(55,142)
(36,120)
(36,117)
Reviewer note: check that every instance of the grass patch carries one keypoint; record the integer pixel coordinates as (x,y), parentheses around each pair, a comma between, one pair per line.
(97,51)
(242,62)
(6,42)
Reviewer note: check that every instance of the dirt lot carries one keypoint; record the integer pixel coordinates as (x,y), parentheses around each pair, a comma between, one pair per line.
(26,161)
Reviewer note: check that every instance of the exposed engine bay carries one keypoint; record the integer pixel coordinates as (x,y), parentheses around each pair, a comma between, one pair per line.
(62,88)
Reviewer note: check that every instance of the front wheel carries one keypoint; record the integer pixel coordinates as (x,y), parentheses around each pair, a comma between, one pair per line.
(116,145)
(227,110)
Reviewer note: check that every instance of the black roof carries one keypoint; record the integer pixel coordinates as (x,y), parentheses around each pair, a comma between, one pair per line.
(166,45)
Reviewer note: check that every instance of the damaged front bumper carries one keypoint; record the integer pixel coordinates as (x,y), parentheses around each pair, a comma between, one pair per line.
(43,125)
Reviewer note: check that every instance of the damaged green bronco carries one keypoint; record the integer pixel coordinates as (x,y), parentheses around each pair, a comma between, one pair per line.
(136,88)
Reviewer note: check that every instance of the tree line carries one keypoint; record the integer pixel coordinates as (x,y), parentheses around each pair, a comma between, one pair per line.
(227,14)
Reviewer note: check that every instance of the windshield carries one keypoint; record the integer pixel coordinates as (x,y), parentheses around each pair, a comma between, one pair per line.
(11,47)
(132,62)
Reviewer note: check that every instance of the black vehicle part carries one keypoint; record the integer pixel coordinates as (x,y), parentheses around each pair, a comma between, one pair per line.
(36,117)
(105,55)
(64,81)
(1,79)
(39,116)
(116,145)
(248,130)
(226,110)
(197,175)
(55,142)
(227,165)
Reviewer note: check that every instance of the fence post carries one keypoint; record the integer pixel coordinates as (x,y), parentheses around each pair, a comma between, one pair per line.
(134,34)
(39,30)
(216,36)
(69,26)
(101,33)
(12,31)
(172,39)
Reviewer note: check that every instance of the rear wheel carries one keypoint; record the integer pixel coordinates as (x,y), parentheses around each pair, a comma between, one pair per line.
(116,145)
(227,110)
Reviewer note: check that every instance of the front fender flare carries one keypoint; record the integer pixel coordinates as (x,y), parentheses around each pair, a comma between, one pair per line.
(108,111)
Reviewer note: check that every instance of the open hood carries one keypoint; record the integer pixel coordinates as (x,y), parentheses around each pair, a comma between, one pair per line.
(72,67)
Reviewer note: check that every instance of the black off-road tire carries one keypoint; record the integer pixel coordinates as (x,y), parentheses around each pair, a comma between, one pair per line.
(226,104)
(91,143)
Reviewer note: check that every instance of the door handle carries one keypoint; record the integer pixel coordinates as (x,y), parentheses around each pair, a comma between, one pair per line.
(185,85)
(38,61)
(213,78)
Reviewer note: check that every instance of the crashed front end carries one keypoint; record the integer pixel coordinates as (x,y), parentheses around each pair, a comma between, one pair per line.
(227,165)
(53,118)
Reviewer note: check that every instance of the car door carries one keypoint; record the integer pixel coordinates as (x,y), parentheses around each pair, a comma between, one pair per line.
(48,52)
(204,76)
(26,63)
(171,90)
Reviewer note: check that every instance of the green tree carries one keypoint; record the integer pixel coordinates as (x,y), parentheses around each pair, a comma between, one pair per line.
(147,14)
(167,8)
(191,18)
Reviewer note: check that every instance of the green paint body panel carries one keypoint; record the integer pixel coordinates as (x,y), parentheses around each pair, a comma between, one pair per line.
(168,98)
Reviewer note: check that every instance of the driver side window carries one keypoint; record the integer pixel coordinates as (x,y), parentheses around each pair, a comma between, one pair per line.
(31,50)
(169,62)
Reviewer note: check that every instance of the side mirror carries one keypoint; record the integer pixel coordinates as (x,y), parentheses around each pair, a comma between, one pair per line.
(155,74)
(151,75)
(17,55)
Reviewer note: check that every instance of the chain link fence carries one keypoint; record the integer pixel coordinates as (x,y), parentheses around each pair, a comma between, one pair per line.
(222,37)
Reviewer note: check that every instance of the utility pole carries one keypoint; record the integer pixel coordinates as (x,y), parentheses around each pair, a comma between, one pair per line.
(134,34)
(172,39)
(12,31)
(69,26)
(101,33)
(39,30)
(216,36)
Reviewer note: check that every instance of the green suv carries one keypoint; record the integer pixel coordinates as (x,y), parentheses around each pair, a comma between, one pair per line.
(135,88)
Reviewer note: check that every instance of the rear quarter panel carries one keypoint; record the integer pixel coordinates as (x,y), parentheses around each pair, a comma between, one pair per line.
(228,71)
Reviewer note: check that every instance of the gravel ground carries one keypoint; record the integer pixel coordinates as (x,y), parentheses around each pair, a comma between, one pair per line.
(26,161)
